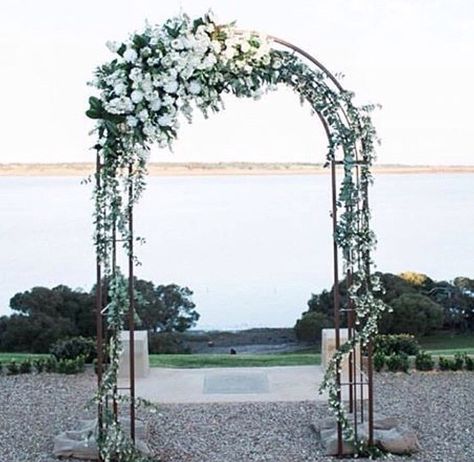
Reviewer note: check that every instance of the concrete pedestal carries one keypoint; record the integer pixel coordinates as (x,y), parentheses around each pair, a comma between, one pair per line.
(328,347)
(142,364)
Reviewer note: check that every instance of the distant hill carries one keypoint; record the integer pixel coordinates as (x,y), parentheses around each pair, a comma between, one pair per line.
(232,168)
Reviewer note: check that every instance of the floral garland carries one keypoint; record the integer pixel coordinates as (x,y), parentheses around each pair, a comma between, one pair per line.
(166,72)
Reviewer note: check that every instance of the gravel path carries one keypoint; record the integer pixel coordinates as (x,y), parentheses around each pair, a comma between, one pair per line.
(439,406)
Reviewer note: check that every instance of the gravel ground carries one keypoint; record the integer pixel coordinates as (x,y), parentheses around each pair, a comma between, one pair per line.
(439,406)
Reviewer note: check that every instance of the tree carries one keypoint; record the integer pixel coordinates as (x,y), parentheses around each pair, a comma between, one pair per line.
(44,316)
(412,314)
(308,328)
(165,308)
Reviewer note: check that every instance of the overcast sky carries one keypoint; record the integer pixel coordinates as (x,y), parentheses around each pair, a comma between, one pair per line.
(414,57)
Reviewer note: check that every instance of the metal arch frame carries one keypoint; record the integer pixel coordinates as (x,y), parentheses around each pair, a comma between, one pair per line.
(353,380)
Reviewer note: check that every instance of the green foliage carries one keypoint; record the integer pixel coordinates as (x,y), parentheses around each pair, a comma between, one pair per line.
(469,362)
(44,316)
(165,308)
(449,364)
(458,361)
(379,361)
(424,361)
(413,314)
(418,280)
(308,328)
(39,364)
(396,343)
(398,363)
(12,368)
(71,366)
(167,343)
(74,347)
(25,367)
(51,364)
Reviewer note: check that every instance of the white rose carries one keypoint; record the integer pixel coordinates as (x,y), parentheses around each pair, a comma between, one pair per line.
(130,55)
(177,44)
(112,46)
(120,89)
(132,121)
(171,86)
(155,105)
(195,87)
(245,47)
(136,96)
(165,120)
(143,115)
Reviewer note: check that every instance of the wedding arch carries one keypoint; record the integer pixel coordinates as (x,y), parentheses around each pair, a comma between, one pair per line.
(168,71)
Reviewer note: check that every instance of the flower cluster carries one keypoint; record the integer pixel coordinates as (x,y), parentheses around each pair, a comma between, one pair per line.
(165,71)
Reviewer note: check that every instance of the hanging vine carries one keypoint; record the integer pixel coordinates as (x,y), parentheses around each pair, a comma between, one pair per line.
(164,73)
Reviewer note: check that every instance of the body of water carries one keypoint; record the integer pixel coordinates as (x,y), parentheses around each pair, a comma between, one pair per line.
(252,248)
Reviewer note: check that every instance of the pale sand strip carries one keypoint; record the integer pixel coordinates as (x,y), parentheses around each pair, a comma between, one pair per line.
(217,169)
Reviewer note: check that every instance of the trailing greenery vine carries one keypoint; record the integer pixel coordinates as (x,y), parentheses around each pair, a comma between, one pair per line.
(168,71)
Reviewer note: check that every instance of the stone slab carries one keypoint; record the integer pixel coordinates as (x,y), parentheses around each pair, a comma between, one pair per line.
(285,383)
(81,443)
(142,361)
(242,383)
(389,435)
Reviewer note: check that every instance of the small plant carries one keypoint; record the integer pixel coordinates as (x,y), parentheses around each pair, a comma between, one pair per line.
(458,362)
(12,368)
(398,362)
(39,365)
(51,364)
(25,367)
(396,344)
(446,364)
(71,366)
(379,361)
(469,363)
(424,361)
(74,347)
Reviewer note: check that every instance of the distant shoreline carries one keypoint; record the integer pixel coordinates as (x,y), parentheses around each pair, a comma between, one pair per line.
(219,169)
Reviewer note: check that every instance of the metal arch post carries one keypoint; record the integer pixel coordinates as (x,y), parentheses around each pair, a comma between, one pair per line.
(131,310)
(98,314)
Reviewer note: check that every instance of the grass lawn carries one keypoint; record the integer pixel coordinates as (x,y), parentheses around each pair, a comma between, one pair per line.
(447,342)
(6,357)
(227,360)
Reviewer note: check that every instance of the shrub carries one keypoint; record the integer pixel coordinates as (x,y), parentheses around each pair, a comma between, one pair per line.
(396,344)
(74,347)
(51,364)
(458,361)
(71,366)
(413,314)
(39,365)
(447,364)
(12,368)
(469,362)
(398,362)
(25,367)
(167,343)
(379,361)
(308,328)
(424,361)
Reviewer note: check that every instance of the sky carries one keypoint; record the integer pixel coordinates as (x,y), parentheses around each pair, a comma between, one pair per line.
(413,57)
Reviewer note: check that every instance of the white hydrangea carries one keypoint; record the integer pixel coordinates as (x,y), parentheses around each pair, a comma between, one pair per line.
(137,96)
(171,86)
(130,55)
(165,120)
(194,87)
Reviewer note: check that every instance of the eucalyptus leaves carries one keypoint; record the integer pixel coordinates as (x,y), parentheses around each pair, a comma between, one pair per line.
(167,72)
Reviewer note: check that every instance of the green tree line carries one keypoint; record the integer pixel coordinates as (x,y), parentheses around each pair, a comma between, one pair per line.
(44,315)
(418,305)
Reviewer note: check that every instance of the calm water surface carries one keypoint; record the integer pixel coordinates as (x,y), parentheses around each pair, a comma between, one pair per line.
(252,248)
